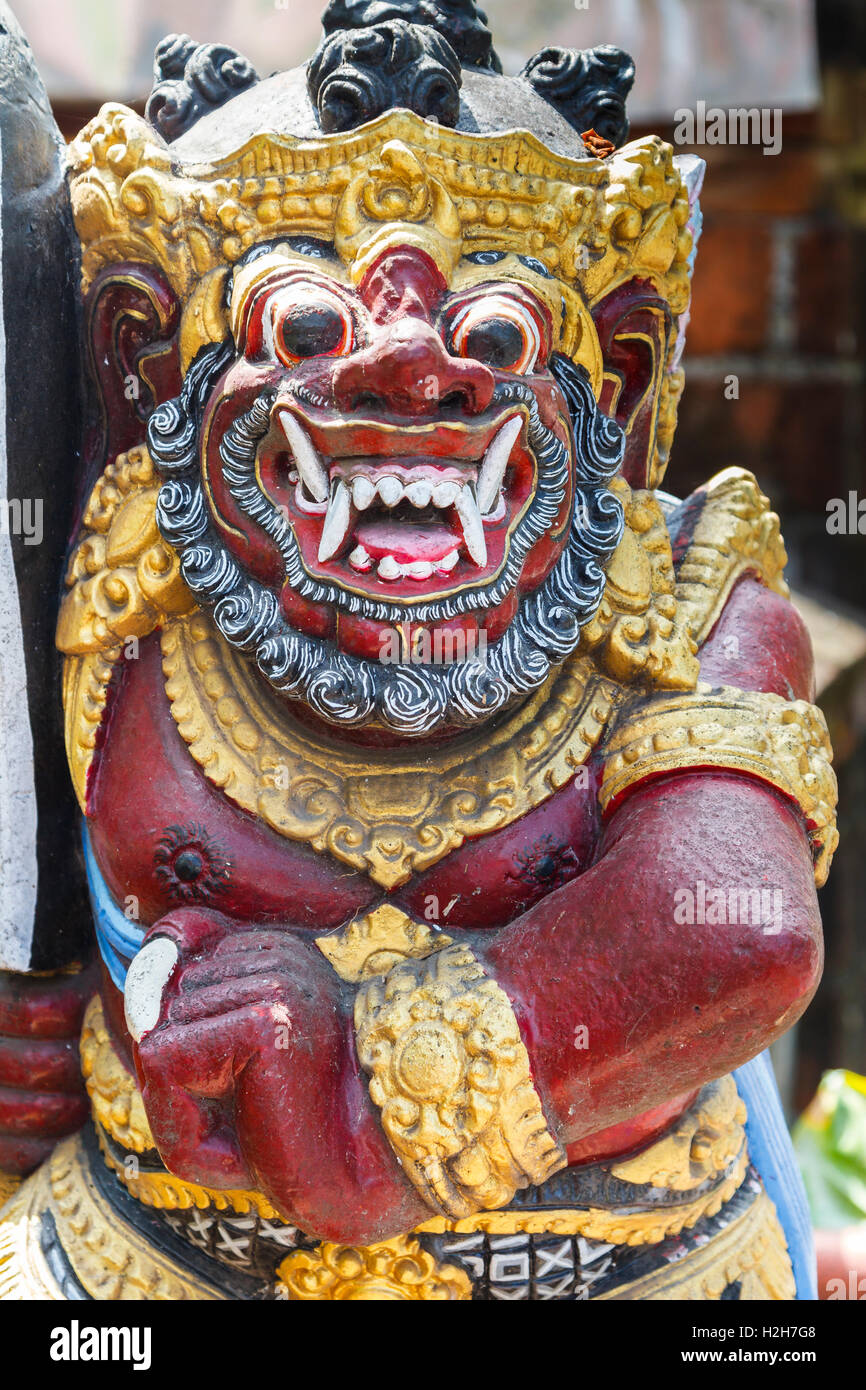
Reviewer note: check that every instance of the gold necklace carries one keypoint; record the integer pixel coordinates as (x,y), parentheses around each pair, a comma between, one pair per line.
(388,812)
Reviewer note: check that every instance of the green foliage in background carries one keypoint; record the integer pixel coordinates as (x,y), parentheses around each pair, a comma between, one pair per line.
(830,1143)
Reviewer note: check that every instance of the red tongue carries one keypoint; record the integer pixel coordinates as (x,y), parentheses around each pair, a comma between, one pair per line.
(384,536)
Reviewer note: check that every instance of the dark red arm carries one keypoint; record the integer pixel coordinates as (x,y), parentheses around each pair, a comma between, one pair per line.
(667,1006)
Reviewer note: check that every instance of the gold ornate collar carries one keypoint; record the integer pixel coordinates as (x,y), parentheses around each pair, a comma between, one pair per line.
(390,813)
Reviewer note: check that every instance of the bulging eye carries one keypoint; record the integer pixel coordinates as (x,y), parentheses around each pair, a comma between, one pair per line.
(310,322)
(498,331)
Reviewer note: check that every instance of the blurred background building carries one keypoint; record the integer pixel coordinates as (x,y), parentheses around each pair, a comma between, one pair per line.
(778,303)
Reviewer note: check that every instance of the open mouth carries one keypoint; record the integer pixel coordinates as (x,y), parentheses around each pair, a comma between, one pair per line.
(376,506)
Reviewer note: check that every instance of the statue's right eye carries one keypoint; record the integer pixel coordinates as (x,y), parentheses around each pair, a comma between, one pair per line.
(310,323)
(499,330)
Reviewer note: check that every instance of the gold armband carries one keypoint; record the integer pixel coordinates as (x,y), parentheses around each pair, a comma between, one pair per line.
(450,1073)
(783,742)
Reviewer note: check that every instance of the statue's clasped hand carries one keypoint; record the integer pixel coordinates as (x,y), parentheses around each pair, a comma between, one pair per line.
(235,1030)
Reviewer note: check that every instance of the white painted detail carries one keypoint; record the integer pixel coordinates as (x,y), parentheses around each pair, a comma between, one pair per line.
(389,569)
(447,563)
(390,490)
(146,978)
(419,493)
(445,494)
(363,492)
(360,559)
(337,522)
(495,463)
(473,527)
(418,569)
(307,461)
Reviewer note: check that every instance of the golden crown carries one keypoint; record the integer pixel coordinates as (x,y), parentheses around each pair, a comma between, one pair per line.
(593,222)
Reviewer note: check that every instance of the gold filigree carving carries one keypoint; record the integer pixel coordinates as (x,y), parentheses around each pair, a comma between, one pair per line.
(703,1143)
(24,1273)
(450,1073)
(705,1148)
(751,1251)
(395,196)
(85,690)
(123,212)
(389,814)
(122,579)
(115,1100)
(783,742)
(638,631)
(643,229)
(736,533)
(596,222)
(371,945)
(165,1192)
(672,386)
(617,1227)
(205,318)
(111,1260)
(393,1270)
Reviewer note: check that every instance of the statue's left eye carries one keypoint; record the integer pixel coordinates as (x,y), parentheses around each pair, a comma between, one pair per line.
(498,331)
(313,325)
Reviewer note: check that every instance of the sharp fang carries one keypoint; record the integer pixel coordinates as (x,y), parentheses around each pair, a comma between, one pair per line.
(390,490)
(363,492)
(495,463)
(389,569)
(307,461)
(337,520)
(473,526)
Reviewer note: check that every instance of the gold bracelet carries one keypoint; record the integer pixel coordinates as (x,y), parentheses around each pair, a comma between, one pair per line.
(449,1071)
(783,742)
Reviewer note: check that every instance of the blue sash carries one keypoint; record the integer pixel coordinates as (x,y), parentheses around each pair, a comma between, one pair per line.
(772,1154)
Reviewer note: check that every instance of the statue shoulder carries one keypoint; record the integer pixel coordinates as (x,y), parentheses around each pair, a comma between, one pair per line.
(720,534)
(673,573)
(730,559)
(122,583)
(750,712)
(122,579)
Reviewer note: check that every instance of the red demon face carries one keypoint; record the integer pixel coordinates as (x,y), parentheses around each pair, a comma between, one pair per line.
(402,474)
(362,481)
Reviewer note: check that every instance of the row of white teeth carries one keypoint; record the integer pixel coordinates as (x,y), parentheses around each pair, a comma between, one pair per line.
(392,490)
(338,520)
(390,569)
(471,503)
